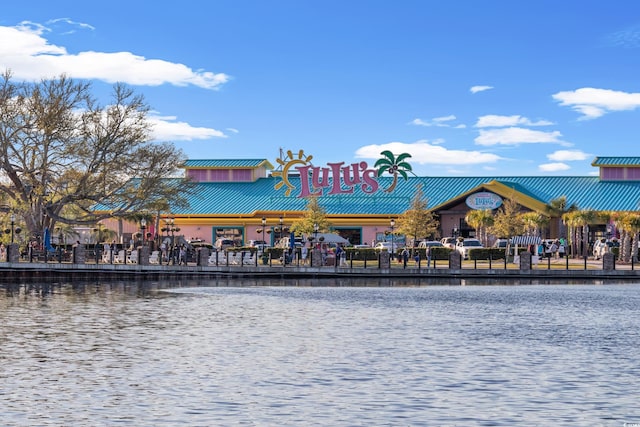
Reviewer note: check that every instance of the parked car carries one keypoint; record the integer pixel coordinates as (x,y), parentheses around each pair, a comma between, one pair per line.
(501,243)
(261,245)
(223,244)
(448,242)
(386,246)
(603,246)
(362,246)
(466,245)
(429,244)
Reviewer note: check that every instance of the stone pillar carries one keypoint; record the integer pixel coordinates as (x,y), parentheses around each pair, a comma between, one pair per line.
(143,255)
(608,261)
(455,260)
(78,254)
(202,256)
(13,252)
(316,258)
(525,260)
(385,259)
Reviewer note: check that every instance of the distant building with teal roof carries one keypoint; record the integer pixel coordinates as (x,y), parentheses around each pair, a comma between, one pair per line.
(232,196)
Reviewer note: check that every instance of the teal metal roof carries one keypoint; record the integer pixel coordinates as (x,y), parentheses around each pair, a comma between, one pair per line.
(616,161)
(227,163)
(247,198)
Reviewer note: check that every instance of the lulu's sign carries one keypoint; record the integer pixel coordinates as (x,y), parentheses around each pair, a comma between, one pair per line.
(484,200)
(339,178)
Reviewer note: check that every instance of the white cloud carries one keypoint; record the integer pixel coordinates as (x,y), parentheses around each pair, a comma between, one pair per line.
(593,103)
(30,56)
(492,120)
(422,152)
(437,121)
(444,119)
(553,167)
(517,136)
(476,89)
(166,128)
(70,23)
(568,155)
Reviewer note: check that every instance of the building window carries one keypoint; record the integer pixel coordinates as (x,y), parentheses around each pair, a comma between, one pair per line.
(241,175)
(611,174)
(219,175)
(633,174)
(198,175)
(353,235)
(232,233)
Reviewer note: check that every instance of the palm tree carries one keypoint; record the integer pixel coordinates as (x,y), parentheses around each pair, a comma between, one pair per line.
(395,166)
(634,223)
(580,220)
(573,220)
(480,220)
(556,208)
(534,222)
(628,223)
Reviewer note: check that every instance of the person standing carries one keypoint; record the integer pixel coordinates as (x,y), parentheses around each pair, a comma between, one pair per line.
(405,257)
(339,251)
(182,257)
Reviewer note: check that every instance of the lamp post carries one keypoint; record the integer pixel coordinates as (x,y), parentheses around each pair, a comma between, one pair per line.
(169,227)
(264,224)
(455,232)
(392,223)
(13,223)
(315,231)
(60,242)
(143,226)
(281,221)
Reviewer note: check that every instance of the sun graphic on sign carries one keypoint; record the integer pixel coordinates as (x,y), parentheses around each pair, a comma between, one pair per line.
(287,163)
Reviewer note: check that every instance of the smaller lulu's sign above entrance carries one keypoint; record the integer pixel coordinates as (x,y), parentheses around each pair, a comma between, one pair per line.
(484,200)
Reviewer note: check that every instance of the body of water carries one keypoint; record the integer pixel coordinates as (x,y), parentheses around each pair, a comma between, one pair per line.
(319,353)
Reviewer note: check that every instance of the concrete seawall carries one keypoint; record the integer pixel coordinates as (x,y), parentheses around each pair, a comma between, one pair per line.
(21,272)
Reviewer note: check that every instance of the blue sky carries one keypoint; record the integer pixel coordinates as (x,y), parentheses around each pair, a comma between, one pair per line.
(468,88)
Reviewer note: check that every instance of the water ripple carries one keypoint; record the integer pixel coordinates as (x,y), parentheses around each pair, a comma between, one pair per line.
(191,354)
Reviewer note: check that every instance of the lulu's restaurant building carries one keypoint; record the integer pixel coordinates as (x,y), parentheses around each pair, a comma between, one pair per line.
(234,196)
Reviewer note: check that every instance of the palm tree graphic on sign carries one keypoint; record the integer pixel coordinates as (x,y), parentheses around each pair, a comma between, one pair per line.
(393,165)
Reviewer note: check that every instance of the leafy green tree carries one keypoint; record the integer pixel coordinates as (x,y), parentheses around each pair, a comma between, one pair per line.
(61,154)
(417,221)
(315,214)
(507,222)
